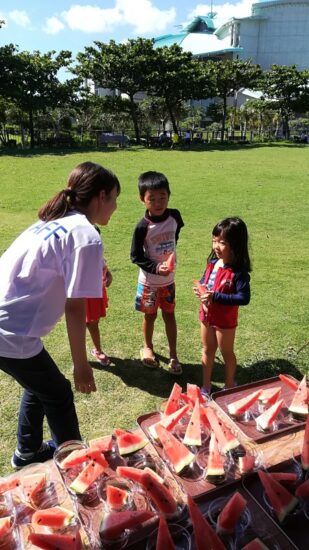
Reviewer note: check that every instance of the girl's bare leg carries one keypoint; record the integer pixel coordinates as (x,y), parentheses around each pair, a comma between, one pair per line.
(171,333)
(148,328)
(93,328)
(225,340)
(209,348)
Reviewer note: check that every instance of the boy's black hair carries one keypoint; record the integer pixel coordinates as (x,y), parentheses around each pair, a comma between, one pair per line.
(234,231)
(149,181)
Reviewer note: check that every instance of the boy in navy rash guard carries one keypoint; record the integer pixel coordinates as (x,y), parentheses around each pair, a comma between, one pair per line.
(154,240)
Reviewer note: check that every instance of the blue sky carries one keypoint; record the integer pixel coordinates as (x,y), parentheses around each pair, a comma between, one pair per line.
(46,25)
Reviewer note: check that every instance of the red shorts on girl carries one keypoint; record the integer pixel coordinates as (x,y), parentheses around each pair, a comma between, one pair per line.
(96,307)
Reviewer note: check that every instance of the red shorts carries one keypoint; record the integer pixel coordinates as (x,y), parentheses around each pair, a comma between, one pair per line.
(149,299)
(96,307)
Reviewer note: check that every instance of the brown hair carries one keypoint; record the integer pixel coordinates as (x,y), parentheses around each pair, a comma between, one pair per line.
(85,182)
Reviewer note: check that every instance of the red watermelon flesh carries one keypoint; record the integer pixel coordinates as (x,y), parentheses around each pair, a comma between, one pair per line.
(285,477)
(305,448)
(173,400)
(130,442)
(169,422)
(204,419)
(87,476)
(81,455)
(116,497)
(289,381)
(5,525)
(164,539)
(33,486)
(205,537)
(170,262)
(237,408)
(135,474)
(255,544)
(267,418)
(303,490)
(226,440)
(230,514)
(9,484)
(54,541)
(187,400)
(159,493)
(193,432)
(56,517)
(280,498)
(194,393)
(105,443)
(215,466)
(113,524)
(269,396)
(246,463)
(176,452)
(299,405)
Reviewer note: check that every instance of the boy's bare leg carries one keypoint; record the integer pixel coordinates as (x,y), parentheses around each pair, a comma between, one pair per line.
(93,328)
(226,344)
(148,328)
(171,333)
(209,348)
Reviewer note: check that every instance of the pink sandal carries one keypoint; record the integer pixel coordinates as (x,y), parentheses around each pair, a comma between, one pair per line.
(101,357)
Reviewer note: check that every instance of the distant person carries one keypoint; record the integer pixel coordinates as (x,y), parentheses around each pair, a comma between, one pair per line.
(175,140)
(227,286)
(154,241)
(164,138)
(187,138)
(49,270)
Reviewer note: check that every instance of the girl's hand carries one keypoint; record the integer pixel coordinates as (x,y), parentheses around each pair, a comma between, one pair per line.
(206,298)
(108,278)
(83,379)
(163,270)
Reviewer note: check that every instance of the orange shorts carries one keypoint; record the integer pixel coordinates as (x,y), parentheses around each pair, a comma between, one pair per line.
(149,299)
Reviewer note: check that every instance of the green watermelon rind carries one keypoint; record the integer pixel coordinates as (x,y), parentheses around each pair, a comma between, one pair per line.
(299,404)
(78,485)
(171,446)
(124,448)
(67,516)
(273,489)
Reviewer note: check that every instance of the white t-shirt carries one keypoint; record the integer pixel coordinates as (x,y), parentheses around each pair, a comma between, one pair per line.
(46,264)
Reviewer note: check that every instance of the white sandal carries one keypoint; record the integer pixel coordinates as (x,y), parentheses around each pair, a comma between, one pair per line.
(174,367)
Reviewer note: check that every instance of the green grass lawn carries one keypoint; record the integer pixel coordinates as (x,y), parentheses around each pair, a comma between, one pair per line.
(266,185)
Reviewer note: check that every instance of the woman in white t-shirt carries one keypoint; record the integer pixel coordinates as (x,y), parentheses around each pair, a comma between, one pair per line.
(49,270)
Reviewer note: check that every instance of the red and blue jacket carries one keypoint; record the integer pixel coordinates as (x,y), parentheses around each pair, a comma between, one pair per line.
(231,289)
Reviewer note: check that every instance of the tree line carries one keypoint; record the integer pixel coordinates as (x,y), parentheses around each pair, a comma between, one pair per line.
(32,95)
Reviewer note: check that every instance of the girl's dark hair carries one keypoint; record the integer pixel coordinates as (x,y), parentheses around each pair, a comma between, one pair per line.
(85,182)
(234,231)
(149,181)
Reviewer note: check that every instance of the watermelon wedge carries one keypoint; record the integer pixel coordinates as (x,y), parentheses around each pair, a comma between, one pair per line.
(303,489)
(237,408)
(193,432)
(33,486)
(284,477)
(215,465)
(173,400)
(305,448)
(170,263)
(113,524)
(280,498)
(168,422)
(230,514)
(204,420)
(164,539)
(87,476)
(129,442)
(205,537)
(200,286)
(269,396)
(226,440)
(159,494)
(135,474)
(9,484)
(255,544)
(116,497)
(52,541)
(105,443)
(246,463)
(289,381)
(194,393)
(56,517)
(176,452)
(79,456)
(267,418)
(6,523)
(299,405)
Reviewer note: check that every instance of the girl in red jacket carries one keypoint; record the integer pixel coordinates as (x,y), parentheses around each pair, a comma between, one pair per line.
(224,287)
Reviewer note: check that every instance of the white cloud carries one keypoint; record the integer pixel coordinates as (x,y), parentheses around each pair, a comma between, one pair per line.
(224,11)
(19,17)
(53,25)
(141,15)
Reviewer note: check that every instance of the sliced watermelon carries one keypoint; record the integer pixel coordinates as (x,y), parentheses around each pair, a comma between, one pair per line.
(193,432)
(173,400)
(169,422)
(267,418)
(255,544)
(204,419)
(170,263)
(205,537)
(215,465)
(246,463)
(116,497)
(280,498)
(56,517)
(135,474)
(33,486)
(176,452)
(194,393)
(269,396)
(230,514)
(87,476)
(299,405)
(237,408)
(164,538)
(303,489)
(105,443)
(159,494)
(285,477)
(289,381)
(226,440)
(81,455)
(129,442)
(9,484)
(113,524)
(52,541)
(305,447)
(5,525)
